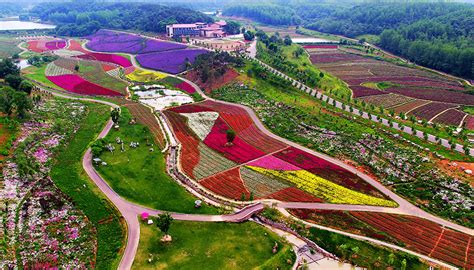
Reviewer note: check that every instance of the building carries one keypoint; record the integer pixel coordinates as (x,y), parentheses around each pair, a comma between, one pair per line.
(198,29)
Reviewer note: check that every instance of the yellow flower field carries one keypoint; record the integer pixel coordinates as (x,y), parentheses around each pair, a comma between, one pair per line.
(140,75)
(325,189)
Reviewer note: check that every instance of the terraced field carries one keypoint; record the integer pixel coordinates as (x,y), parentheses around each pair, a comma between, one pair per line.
(398,87)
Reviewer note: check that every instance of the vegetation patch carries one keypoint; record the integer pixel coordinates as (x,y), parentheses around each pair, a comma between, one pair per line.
(226,246)
(138,173)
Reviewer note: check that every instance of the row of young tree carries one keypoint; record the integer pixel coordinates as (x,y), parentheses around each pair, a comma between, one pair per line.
(77,19)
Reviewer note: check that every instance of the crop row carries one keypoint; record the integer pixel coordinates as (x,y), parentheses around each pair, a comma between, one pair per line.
(244,126)
(422,236)
(105,57)
(450,117)
(210,162)
(387,100)
(432,94)
(430,110)
(362,91)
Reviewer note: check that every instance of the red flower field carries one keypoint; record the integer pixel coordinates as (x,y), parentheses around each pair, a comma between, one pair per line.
(40,46)
(76,84)
(186,87)
(227,184)
(239,151)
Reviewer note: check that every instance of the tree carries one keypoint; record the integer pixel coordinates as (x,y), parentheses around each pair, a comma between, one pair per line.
(230,134)
(6,100)
(115,115)
(22,103)
(8,67)
(26,87)
(249,35)
(13,80)
(76,67)
(404,265)
(287,40)
(232,28)
(163,222)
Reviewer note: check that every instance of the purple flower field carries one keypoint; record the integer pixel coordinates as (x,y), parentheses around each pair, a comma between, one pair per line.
(169,61)
(110,41)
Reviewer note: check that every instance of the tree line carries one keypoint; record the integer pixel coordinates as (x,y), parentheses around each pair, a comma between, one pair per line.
(77,19)
(14,91)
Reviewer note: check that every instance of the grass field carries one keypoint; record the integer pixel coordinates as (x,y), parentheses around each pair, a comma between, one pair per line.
(94,73)
(8,131)
(327,83)
(140,175)
(68,175)
(212,246)
(37,74)
(8,46)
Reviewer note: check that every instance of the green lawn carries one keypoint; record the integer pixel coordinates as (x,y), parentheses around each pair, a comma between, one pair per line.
(201,245)
(8,46)
(468,109)
(68,175)
(140,176)
(37,74)
(328,83)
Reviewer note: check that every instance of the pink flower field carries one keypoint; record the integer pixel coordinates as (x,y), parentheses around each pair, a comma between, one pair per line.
(76,84)
(273,163)
(239,152)
(109,58)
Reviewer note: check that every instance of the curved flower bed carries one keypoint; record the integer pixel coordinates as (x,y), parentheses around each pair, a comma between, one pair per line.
(76,84)
(40,46)
(227,184)
(239,151)
(141,75)
(323,188)
(293,194)
(169,61)
(273,163)
(112,41)
(105,57)
(186,87)
(326,170)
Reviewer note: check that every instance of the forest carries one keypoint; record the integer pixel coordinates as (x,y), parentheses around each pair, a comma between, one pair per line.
(77,19)
(437,35)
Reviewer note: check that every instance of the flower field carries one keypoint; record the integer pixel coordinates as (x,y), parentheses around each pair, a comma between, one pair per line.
(141,75)
(416,234)
(110,58)
(430,110)
(173,61)
(387,100)
(76,84)
(425,237)
(407,107)
(186,87)
(41,46)
(144,116)
(112,41)
(239,151)
(409,87)
(325,189)
(451,117)
(289,174)
(326,170)
(227,184)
